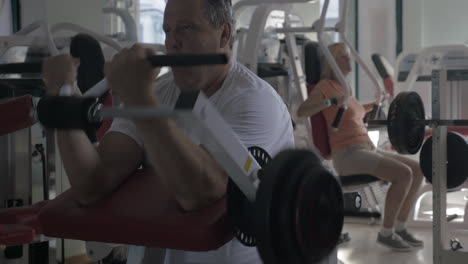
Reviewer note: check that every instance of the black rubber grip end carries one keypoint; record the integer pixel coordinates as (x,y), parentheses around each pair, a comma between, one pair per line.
(65,112)
(338,117)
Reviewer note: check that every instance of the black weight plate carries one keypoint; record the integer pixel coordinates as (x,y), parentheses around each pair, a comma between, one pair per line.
(406,135)
(284,209)
(239,209)
(280,208)
(266,231)
(319,214)
(457,165)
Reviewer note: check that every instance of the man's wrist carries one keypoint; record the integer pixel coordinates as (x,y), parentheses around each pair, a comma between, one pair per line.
(145,98)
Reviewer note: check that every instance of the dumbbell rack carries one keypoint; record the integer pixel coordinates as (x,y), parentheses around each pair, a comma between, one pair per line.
(441,243)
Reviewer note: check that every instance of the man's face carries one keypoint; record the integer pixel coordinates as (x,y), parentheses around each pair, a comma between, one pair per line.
(189,31)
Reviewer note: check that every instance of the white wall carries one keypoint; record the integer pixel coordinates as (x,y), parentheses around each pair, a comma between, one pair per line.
(5,19)
(413,24)
(86,13)
(445,22)
(32,10)
(309,12)
(377,34)
(434,22)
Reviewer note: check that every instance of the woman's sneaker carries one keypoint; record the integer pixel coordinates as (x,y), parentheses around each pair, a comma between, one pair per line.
(409,238)
(393,242)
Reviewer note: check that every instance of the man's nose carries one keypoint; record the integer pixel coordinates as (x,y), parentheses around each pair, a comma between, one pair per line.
(173,43)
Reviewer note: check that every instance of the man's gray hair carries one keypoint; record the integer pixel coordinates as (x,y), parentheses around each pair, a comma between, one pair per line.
(219,12)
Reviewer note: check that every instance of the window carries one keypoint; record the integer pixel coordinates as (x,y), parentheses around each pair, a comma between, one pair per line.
(147,16)
(333,13)
(151,21)
(277,17)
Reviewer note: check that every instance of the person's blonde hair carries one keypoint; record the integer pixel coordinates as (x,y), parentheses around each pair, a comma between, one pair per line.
(335,49)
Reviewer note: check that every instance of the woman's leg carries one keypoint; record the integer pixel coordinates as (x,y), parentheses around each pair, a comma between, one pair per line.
(418,177)
(368,161)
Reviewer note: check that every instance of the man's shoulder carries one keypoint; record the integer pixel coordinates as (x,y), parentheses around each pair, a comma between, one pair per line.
(243,74)
(248,83)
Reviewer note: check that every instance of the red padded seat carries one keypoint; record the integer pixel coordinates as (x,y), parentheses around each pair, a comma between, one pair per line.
(16,114)
(141,212)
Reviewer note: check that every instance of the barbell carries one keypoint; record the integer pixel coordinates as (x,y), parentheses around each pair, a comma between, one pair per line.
(406,126)
(406,123)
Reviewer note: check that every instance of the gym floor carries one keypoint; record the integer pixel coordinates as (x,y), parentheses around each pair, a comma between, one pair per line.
(363,249)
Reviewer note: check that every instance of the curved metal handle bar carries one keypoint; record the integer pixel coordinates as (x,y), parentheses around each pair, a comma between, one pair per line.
(79,29)
(30,28)
(341,26)
(129,22)
(50,40)
(240,5)
(45,27)
(328,56)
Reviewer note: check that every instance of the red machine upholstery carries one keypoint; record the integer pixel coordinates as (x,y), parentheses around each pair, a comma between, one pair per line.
(15,114)
(20,225)
(388,83)
(320,131)
(141,212)
(383,68)
(13,235)
(319,126)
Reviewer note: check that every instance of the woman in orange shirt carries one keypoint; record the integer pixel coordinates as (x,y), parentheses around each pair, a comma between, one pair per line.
(354,153)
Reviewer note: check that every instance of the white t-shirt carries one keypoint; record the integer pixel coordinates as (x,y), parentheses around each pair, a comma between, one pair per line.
(258,116)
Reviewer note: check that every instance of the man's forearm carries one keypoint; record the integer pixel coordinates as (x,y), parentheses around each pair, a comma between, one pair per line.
(189,172)
(79,157)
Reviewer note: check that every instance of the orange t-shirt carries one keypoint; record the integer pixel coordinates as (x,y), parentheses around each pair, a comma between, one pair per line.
(351,129)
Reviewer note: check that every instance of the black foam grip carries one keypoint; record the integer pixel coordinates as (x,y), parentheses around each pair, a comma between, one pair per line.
(17,68)
(380,66)
(337,120)
(178,60)
(334,101)
(65,112)
(181,60)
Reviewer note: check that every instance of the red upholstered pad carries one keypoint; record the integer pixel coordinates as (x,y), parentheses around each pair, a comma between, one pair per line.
(22,215)
(12,235)
(20,225)
(141,212)
(15,114)
(388,83)
(461,130)
(320,131)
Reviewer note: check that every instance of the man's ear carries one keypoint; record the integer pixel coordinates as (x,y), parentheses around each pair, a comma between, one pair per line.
(226,35)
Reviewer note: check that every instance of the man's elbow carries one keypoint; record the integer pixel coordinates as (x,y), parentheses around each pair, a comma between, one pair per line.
(86,199)
(87,195)
(204,197)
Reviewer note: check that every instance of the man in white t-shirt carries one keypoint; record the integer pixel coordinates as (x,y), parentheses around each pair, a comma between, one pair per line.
(249,105)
